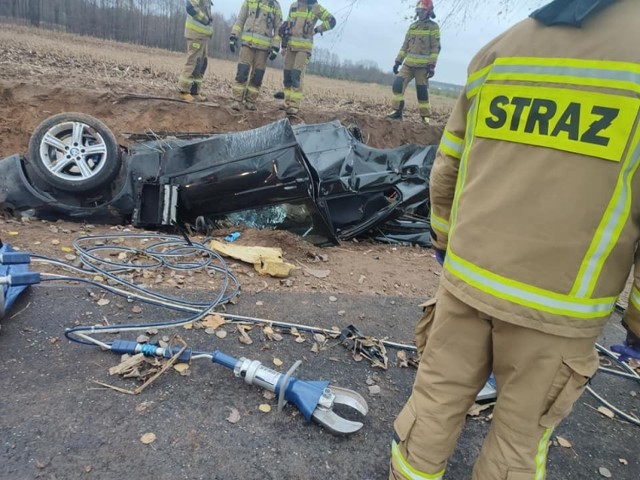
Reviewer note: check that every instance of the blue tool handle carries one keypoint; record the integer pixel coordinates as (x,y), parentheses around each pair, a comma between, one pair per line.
(224,359)
(305,394)
(22,279)
(14,258)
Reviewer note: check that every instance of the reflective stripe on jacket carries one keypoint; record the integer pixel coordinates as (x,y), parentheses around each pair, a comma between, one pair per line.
(198,24)
(534,191)
(258,22)
(421,44)
(303,19)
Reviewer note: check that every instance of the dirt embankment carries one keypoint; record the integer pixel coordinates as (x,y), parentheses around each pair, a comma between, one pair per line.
(44,73)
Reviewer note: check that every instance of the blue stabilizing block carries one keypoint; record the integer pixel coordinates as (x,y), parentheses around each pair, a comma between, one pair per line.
(12,292)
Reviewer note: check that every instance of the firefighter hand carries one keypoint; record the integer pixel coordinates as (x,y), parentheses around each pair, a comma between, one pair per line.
(440,255)
(431,70)
(273,53)
(317,30)
(233,43)
(285,29)
(396,67)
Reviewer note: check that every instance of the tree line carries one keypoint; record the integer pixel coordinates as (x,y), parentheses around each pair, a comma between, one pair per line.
(160,23)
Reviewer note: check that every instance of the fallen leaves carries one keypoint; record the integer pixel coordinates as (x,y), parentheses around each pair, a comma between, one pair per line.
(271,334)
(102,302)
(403,362)
(299,337)
(604,472)
(181,367)
(563,442)
(374,390)
(313,272)
(244,336)
(264,408)
(213,321)
(234,416)
(148,438)
(477,408)
(606,412)
(221,333)
(277,362)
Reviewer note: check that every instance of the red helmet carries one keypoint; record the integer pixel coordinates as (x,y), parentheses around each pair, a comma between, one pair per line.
(425,4)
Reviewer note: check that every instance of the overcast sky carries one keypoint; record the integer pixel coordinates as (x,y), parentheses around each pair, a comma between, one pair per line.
(375,30)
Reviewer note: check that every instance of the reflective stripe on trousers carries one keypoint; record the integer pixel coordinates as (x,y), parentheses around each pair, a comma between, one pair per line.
(407,470)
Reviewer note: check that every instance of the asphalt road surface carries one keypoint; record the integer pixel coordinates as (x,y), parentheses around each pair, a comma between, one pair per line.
(55,423)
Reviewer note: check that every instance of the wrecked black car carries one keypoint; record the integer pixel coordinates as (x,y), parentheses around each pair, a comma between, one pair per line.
(318,180)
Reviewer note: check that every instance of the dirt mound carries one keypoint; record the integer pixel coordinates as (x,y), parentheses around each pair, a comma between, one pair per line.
(25,105)
(44,73)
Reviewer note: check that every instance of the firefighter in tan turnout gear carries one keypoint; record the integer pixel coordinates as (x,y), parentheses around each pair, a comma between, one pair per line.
(418,57)
(535,196)
(198,29)
(257,30)
(297,37)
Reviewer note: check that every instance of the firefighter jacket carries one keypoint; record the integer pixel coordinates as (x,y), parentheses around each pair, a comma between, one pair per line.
(303,17)
(421,45)
(198,25)
(258,22)
(535,190)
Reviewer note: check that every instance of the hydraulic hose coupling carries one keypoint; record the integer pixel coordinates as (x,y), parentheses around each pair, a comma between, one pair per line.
(315,399)
(14,258)
(148,350)
(20,279)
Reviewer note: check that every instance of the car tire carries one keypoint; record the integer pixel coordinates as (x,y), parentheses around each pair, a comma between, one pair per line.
(74,152)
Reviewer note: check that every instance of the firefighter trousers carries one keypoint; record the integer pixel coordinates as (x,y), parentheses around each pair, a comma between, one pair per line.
(251,70)
(295,64)
(191,77)
(539,376)
(400,84)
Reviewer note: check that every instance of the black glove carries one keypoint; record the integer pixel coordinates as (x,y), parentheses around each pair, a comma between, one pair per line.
(285,29)
(317,30)
(431,70)
(273,53)
(396,67)
(233,43)
(633,341)
(440,256)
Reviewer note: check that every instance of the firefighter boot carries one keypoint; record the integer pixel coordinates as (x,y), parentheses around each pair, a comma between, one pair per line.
(187,97)
(397,114)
